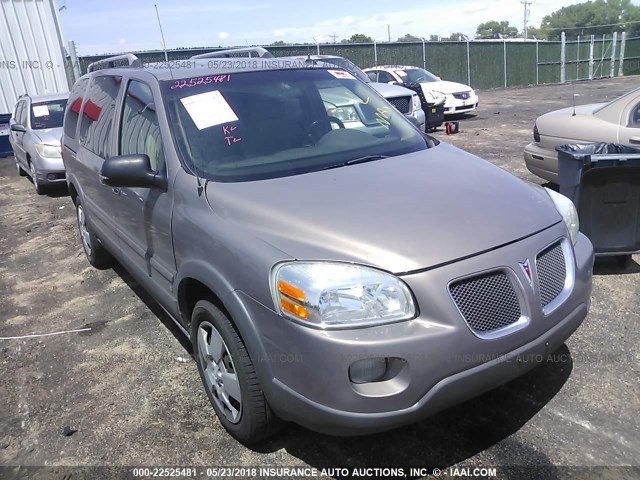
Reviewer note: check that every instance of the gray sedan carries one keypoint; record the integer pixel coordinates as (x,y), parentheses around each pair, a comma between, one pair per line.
(36,129)
(615,122)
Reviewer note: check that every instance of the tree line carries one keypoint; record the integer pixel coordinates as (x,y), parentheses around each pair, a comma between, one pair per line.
(596,17)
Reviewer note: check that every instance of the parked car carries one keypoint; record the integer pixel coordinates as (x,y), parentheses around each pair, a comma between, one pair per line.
(403,99)
(350,280)
(616,122)
(35,131)
(459,98)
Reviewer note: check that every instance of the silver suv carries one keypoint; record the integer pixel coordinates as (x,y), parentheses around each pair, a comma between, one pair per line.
(347,279)
(35,131)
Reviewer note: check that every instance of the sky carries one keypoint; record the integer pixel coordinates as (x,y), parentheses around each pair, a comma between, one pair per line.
(125,25)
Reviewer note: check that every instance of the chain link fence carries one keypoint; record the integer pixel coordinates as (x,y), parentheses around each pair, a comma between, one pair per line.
(481,64)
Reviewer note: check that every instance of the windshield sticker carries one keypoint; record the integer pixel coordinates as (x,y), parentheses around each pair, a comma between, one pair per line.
(383,116)
(40,110)
(401,73)
(341,74)
(208,109)
(229,137)
(194,82)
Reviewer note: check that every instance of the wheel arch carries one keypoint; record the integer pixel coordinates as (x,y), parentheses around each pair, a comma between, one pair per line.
(202,282)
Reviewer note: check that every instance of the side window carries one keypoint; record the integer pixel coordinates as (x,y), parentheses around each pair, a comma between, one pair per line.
(18,113)
(23,113)
(373,76)
(385,77)
(635,117)
(73,108)
(140,130)
(97,114)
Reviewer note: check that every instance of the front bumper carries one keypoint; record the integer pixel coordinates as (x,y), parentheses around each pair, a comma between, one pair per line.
(455,106)
(305,371)
(50,170)
(541,162)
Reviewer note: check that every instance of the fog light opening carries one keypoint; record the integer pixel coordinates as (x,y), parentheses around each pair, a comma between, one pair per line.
(368,370)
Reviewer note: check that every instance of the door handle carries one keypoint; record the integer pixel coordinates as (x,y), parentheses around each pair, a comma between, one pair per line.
(634,140)
(116,191)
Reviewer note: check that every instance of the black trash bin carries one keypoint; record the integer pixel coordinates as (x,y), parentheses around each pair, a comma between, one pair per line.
(603,181)
(433,112)
(5,146)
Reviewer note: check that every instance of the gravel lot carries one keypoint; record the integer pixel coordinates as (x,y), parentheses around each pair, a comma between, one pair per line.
(132,392)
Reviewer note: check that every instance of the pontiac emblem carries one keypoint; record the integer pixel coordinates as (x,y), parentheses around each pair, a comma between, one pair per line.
(526,268)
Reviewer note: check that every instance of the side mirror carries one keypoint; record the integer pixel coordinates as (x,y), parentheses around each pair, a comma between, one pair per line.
(18,127)
(414,121)
(131,171)
(393,82)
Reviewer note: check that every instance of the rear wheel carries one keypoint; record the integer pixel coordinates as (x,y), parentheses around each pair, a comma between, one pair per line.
(229,376)
(97,255)
(34,179)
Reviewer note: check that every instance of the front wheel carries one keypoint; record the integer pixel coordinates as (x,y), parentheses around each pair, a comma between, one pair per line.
(97,255)
(229,376)
(34,179)
(21,172)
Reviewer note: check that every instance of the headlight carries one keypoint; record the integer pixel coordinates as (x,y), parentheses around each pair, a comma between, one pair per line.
(536,134)
(49,151)
(339,295)
(416,102)
(346,114)
(567,209)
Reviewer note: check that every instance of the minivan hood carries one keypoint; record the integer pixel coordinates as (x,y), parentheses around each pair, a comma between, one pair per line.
(400,214)
(49,136)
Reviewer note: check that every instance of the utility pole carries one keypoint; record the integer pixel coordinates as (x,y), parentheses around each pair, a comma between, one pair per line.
(333,37)
(389,32)
(526,16)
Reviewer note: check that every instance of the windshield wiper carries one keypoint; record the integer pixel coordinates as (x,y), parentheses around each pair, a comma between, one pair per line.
(354,161)
(365,159)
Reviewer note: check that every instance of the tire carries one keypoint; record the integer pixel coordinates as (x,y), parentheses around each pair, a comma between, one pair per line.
(97,255)
(21,172)
(34,179)
(231,382)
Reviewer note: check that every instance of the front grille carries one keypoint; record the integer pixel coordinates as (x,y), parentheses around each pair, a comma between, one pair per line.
(552,273)
(464,108)
(402,104)
(462,95)
(487,302)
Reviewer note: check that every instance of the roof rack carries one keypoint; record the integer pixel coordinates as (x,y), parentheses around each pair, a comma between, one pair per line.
(259,52)
(111,62)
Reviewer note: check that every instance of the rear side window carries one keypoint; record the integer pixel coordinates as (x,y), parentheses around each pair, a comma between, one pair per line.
(73,108)
(140,130)
(97,114)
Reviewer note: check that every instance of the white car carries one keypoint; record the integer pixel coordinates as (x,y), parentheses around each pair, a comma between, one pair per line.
(459,98)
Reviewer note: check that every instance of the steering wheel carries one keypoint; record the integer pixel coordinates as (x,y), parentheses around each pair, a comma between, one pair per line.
(308,132)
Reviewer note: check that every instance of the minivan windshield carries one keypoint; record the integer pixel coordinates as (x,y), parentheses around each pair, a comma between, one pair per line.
(47,114)
(264,124)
